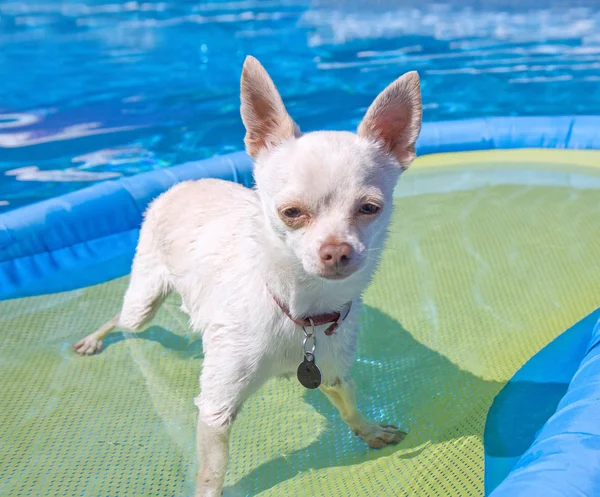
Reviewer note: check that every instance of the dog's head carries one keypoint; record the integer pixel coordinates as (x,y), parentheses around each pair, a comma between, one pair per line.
(328,195)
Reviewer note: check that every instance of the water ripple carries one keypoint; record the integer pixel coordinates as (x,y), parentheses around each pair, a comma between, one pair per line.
(160,78)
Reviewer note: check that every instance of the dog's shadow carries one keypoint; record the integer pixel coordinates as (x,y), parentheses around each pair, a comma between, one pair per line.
(400,381)
(185,345)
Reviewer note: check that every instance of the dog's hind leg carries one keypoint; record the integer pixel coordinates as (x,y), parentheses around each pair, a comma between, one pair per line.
(92,343)
(147,290)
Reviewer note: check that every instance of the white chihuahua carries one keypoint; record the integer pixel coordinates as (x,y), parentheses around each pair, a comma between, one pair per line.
(272,277)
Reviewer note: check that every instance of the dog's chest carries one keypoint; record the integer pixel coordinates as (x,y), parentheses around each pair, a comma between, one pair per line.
(258,331)
(333,354)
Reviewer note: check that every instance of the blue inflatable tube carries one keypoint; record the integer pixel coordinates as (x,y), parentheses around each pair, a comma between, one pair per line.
(580,132)
(530,398)
(564,459)
(89,236)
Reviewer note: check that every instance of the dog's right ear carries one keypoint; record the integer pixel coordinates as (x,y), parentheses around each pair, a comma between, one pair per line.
(394,118)
(263,113)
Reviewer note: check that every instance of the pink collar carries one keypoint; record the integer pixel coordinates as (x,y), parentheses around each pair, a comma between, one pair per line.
(335,318)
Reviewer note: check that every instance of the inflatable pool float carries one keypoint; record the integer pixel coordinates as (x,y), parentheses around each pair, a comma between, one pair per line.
(479,336)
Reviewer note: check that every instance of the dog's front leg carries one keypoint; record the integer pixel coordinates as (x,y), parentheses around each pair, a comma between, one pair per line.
(230,374)
(342,395)
(213,454)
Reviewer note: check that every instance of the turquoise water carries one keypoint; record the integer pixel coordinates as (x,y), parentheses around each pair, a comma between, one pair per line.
(94,90)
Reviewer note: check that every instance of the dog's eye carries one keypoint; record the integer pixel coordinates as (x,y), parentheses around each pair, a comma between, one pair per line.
(292,212)
(369,209)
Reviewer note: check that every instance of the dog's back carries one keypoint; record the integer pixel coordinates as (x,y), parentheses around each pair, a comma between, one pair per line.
(196,215)
(195,234)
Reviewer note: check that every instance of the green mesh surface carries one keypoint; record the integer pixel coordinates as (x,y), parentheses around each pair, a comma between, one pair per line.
(473,283)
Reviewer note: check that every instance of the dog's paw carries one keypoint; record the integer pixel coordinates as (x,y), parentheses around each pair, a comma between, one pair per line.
(378,435)
(89,345)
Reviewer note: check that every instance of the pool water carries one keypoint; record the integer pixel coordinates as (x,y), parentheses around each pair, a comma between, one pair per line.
(95,90)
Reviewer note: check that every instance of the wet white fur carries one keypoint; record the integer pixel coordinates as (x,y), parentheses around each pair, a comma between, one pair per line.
(224,248)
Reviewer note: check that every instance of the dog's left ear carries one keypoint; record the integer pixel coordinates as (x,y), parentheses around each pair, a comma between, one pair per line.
(263,113)
(394,118)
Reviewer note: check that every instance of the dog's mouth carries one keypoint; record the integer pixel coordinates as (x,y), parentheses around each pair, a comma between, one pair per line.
(337,275)
(334,277)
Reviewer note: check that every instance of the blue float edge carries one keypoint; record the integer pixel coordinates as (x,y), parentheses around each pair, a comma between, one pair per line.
(89,236)
(529,399)
(564,459)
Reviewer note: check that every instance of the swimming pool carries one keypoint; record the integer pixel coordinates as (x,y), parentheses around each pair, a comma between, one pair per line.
(96,90)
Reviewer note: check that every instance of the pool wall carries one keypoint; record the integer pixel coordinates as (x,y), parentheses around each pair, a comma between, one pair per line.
(89,236)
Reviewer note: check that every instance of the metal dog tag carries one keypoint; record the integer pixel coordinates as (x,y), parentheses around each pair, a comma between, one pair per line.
(309,375)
